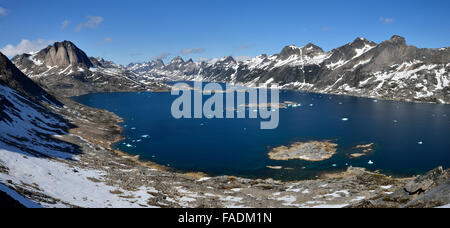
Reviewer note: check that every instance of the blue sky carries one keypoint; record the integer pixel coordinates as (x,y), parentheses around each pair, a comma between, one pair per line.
(133,31)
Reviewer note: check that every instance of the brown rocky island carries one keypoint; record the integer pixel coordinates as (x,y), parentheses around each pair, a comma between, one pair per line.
(310,151)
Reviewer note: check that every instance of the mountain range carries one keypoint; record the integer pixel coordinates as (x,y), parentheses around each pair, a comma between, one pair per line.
(389,70)
(65,69)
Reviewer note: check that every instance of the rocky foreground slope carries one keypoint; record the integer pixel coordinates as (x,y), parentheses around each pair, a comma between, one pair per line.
(389,70)
(65,69)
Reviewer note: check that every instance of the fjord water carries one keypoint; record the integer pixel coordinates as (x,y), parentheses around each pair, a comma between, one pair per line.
(409,138)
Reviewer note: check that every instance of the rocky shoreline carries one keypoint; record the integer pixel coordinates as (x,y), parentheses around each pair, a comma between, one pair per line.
(146,184)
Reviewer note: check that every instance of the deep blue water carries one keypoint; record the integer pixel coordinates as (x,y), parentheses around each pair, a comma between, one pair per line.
(239,147)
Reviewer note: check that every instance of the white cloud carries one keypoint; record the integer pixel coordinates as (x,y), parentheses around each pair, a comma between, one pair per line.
(91,23)
(3,11)
(188,51)
(25,46)
(387,20)
(65,24)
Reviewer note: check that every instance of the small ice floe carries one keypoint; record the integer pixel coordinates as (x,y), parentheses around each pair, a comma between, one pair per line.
(340,103)
(371,162)
(334,165)
(139,140)
(420,143)
(145,136)
(133,128)
(344,119)
(129,145)
(311,105)
(395,121)
(375,101)
(245,129)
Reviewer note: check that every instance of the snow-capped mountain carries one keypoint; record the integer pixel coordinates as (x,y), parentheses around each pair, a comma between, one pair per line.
(145,67)
(389,70)
(65,69)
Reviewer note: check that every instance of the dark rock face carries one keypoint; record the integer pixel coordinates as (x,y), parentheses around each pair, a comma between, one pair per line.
(66,70)
(63,54)
(14,78)
(25,121)
(427,191)
(389,70)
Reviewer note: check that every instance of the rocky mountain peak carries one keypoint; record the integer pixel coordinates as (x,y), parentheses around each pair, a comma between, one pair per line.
(63,54)
(398,40)
(362,42)
(290,51)
(311,46)
(176,60)
(158,63)
(228,59)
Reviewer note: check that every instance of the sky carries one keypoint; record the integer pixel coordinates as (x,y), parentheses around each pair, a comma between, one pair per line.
(137,31)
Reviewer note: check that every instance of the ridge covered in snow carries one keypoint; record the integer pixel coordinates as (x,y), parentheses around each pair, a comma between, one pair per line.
(67,70)
(389,70)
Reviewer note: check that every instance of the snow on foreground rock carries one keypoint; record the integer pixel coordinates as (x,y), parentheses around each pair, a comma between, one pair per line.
(66,185)
(29,159)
